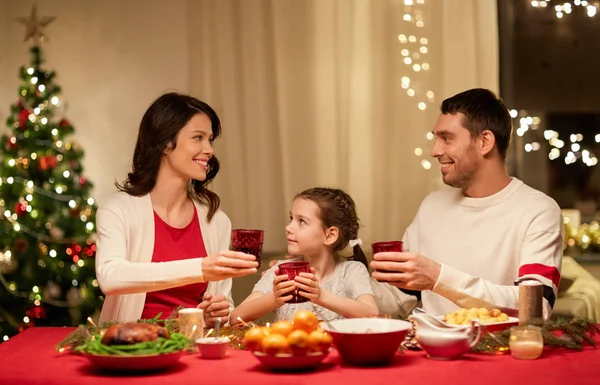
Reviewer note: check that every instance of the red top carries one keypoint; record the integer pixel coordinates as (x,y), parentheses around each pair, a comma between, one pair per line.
(172,244)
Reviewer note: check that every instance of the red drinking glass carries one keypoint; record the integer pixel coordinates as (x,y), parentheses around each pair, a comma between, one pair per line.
(293,269)
(381,247)
(248,241)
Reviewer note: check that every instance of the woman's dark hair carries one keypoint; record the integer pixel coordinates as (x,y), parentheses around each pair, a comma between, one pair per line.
(337,209)
(158,132)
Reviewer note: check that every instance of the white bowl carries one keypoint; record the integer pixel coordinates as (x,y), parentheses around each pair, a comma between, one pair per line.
(213,348)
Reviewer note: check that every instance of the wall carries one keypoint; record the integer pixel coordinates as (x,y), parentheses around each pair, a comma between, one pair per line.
(112,58)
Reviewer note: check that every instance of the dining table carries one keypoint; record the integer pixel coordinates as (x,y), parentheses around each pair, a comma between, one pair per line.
(31,358)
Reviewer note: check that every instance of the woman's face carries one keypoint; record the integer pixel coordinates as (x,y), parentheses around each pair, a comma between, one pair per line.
(189,159)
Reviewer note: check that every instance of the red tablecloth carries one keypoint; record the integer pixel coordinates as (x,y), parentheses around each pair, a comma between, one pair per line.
(30,358)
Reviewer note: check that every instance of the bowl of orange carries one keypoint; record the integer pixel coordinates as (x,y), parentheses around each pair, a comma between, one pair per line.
(299,344)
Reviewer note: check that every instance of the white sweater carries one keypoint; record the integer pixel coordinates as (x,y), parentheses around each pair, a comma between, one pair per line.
(487,245)
(124,267)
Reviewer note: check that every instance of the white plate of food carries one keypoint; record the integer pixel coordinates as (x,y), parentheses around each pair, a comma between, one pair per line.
(493,320)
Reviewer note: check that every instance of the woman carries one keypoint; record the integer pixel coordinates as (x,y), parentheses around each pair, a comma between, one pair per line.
(162,240)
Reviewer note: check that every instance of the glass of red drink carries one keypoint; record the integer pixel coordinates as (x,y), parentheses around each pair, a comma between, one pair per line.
(381,247)
(248,241)
(293,269)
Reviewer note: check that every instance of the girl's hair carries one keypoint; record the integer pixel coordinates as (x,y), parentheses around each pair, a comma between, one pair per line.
(158,131)
(337,209)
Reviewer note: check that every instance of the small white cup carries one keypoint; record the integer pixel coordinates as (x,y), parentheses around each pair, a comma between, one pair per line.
(213,348)
(191,323)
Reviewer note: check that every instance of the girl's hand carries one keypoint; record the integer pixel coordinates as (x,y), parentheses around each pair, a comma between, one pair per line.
(282,288)
(308,285)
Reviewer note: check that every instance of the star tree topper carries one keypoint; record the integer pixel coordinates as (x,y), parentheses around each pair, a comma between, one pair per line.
(34,26)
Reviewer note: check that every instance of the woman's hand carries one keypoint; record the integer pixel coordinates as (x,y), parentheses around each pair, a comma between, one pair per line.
(228,264)
(308,286)
(214,307)
(282,288)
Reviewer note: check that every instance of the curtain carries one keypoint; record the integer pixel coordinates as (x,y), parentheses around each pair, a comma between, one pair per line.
(314,93)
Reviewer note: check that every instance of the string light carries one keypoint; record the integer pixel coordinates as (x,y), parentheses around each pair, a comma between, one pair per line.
(414,50)
(566,7)
(573,152)
(12,290)
(50,194)
(525,123)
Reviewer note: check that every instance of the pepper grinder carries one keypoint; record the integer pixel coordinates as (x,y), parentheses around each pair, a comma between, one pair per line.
(531,297)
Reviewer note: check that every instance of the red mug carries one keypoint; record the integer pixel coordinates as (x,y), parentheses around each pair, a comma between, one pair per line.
(293,269)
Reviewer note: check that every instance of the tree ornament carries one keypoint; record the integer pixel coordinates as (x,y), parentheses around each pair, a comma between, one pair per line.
(20,208)
(52,291)
(8,263)
(21,245)
(56,233)
(47,162)
(23,117)
(34,26)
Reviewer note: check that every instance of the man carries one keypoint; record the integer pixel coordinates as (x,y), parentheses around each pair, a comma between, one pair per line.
(469,246)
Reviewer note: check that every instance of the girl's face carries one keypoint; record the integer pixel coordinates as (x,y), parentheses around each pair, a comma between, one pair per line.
(305,232)
(194,148)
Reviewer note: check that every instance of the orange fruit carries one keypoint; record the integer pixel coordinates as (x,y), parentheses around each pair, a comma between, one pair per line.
(305,320)
(298,341)
(273,344)
(319,341)
(282,327)
(253,338)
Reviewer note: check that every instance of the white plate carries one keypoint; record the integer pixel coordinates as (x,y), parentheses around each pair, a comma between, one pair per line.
(492,327)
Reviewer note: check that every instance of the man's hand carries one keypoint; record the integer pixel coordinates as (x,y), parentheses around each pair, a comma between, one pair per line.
(406,270)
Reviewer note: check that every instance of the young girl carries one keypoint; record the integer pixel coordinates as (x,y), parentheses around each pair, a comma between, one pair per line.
(323,231)
(162,240)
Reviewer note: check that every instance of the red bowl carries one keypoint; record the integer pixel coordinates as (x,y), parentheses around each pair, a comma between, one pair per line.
(367,341)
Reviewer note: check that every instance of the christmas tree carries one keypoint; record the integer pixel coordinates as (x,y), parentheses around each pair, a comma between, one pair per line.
(47,250)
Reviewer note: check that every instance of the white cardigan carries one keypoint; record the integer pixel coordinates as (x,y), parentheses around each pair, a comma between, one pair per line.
(124,267)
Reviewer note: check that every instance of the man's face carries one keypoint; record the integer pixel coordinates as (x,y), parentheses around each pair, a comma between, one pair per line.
(455,150)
